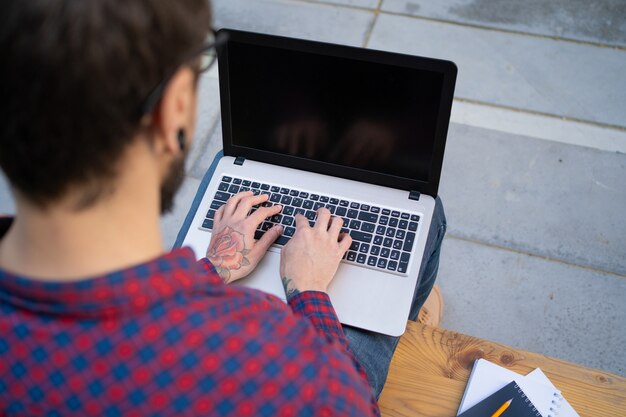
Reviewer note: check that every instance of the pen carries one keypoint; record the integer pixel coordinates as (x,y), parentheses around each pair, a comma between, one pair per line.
(502,408)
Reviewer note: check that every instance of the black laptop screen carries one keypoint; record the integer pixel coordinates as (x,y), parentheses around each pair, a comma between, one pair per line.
(359,114)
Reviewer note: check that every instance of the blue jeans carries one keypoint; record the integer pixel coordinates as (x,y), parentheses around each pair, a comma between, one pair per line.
(374,350)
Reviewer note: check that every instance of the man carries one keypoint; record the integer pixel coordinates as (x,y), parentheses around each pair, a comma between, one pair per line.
(99,100)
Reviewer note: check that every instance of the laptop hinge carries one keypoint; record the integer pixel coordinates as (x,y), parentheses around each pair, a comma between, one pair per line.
(239,160)
(414,195)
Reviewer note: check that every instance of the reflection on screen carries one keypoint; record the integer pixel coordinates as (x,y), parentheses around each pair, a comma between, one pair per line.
(360,114)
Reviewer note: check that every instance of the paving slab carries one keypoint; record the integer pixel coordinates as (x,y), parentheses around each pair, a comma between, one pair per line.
(561,201)
(368,4)
(538,74)
(599,21)
(7,205)
(316,21)
(534,304)
(207,116)
(171,222)
(205,155)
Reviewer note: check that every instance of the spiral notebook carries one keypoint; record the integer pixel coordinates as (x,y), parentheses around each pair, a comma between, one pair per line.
(487,378)
(510,401)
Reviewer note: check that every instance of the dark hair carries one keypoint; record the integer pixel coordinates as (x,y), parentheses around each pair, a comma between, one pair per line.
(73,76)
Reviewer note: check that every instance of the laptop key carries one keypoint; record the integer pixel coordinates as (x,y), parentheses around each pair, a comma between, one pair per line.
(226,178)
(343,203)
(266,226)
(351,256)
(375,210)
(303,195)
(288,210)
(385,252)
(297,202)
(222,196)
(256,185)
(237,181)
(355,246)
(352,214)
(210,214)
(375,250)
(289,231)
(334,201)
(365,207)
(395,255)
(258,234)
(403,224)
(315,197)
(341,211)
(346,222)
(380,230)
(400,234)
(207,224)
(372,260)
(361,258)
(287,220)
(282,240)
(324,199)
(390,232)
(367,227)
(299,211)
(408,242)
(361,236)
(397,244)
(378,240)
(392,265)
(294,193)
(412,226)
(415,218)
(275,198)
(395,213)
(246,183)
(405,257)
(223,186)
(368,217)
(275,189)
(384,220)
(310,215)
(331,208)
(317,206)
(402,266)
(364,248)
(286,200)
(265,187)
(382,263)
(243,189)
(354,205)
(387,242)
(393,222)
(405,216)
(355,224)
(386,212)
(276,218)
(284,190)
(215,204)
(308,204)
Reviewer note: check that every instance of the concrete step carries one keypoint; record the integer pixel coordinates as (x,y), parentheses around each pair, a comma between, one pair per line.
(535,304)
(548,199)
(599,21)
(541,75)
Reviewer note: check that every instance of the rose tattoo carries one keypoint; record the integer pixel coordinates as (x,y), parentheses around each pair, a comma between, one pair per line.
(228,252)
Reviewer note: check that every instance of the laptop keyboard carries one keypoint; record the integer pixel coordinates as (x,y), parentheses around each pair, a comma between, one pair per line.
(382,238)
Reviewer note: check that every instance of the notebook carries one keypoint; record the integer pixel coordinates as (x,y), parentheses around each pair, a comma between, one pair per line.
(487,378)
(509,401)
(357,131)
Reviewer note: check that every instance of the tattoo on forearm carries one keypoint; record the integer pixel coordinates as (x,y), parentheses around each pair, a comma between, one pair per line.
(290,287)
(227,252)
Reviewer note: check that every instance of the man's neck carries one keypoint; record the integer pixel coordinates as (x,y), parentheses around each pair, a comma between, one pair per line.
(62,244)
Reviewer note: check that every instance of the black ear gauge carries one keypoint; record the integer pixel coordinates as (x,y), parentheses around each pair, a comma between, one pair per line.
(181,139)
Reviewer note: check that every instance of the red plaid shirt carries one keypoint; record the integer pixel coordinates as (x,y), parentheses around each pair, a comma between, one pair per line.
(169,338)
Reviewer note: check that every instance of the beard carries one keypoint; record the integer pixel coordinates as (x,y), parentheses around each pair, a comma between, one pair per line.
(172,183)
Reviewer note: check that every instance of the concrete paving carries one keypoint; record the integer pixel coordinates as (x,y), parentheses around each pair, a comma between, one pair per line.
(600,21)
(535,256)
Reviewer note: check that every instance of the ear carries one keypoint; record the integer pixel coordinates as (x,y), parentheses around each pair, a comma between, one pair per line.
(176,112)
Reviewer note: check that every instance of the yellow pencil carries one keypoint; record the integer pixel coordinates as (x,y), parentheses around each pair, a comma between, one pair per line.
(502,408)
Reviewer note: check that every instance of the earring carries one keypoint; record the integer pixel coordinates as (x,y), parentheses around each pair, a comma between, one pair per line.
(181,139)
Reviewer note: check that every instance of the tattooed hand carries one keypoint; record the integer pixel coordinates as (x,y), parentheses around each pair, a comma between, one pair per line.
(311,258)
(233,250)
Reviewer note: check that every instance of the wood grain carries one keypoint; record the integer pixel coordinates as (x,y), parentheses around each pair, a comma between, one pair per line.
(431,366)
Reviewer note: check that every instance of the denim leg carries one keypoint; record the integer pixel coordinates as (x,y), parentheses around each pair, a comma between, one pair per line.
(374,350)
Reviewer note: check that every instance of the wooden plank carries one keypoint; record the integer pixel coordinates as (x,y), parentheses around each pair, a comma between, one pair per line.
(431,366)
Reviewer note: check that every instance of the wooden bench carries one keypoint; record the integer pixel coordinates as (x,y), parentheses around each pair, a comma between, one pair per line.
(431,366)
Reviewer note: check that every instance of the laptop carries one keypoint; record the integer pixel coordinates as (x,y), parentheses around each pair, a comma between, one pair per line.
(358,131)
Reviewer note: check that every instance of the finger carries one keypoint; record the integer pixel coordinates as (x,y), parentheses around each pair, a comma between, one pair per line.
(233,202)
(262,245)
(264,212)
(219,213)
(246,203)
(345,240)
(336,223)
(302,222)
(323,218)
